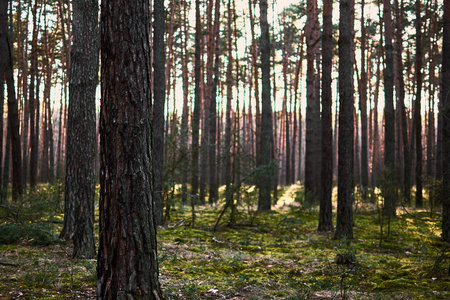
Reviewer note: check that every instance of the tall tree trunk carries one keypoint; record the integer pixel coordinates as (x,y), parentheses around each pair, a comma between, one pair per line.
(127,266)
(312,140)
(255,83)
(22,65)
(325,213)
(13,113)
(229,82)
(34,130)
(159,88)
(81,138)
(213,189)
(389,126)
(184,118)
(445,98)
(363,109)
(264,201)
(285,111)
(418,106)
(197,101)
(3,62)
(344,218)
(401,97)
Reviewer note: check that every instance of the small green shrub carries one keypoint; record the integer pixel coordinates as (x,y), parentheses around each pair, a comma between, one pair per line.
(35,234)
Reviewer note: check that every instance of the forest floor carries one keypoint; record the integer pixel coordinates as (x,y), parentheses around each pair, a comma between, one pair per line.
(274,255)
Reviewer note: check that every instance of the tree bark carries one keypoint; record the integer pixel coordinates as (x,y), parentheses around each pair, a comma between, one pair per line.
(401,96)
(159,87)
(81,138)
(213,189)
(363,109)
(325,213)
(417,106)
(197,101)
(312,138)
(264,201)
(6,45)
(344,218)
(445,98)
(127,259)
(389,126)
(34,130)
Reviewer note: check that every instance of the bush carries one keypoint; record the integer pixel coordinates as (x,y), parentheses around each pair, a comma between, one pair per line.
(35,234)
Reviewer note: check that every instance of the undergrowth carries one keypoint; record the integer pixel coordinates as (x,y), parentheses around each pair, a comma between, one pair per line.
(273,255)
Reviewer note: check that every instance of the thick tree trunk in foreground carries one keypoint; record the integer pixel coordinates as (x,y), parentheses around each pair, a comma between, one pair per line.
(81,139)
(127,258)
(344,218)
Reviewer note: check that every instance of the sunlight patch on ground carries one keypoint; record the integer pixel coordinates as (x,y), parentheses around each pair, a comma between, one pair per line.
(288,197)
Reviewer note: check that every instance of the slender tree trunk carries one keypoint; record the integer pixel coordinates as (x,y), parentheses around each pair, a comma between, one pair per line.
(34,130)
(344,219)
(197,101)
(6,162)
(401,96)
(417,106)
(264,201)
(213,189)
(229,79)
(363,109)
(127,266)
(13,113)
(325,213)
(159,87)
(389,127)
(3,62)
(184,118)
(445,98)
(255,82)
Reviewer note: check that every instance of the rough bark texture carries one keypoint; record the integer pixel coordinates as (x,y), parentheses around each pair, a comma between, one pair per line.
(159,86)
(127,257)
(325,213)
(344,218)
(264,201)
(81,139)
(389,113)
(446,122)
(312,138)
(13,114)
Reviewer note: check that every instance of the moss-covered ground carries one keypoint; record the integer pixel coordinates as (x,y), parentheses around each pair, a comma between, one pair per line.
(273,255)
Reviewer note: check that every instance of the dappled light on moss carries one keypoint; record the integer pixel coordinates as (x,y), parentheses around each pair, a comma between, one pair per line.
(273,255)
